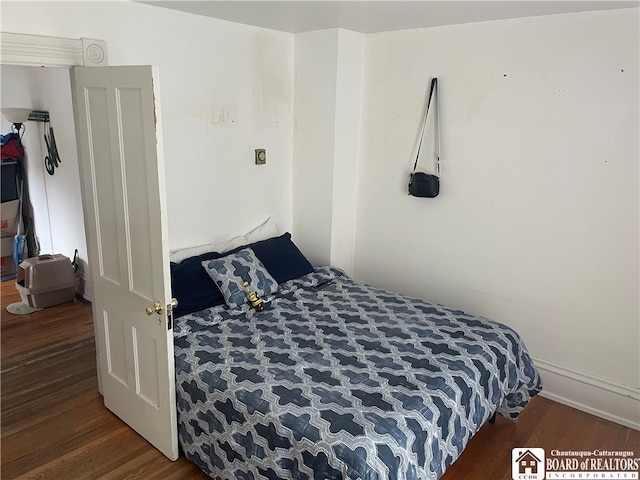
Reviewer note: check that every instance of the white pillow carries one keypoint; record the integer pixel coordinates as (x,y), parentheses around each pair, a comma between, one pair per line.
(265,230)
(179,255)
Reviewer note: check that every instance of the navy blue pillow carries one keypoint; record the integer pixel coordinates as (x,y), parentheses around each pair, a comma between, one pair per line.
(194,289)
(282,259)
(192,286)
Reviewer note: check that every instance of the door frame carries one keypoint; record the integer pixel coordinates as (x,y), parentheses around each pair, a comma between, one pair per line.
(43,51)
(37,50)
(28,50)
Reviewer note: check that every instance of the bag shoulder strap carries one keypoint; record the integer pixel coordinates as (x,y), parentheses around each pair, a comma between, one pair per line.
(433,93)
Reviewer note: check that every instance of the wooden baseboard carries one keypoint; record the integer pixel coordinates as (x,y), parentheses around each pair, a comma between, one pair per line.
(83,287)
(598,396)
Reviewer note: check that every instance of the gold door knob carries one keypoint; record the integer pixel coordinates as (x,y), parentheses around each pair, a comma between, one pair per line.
(155,308)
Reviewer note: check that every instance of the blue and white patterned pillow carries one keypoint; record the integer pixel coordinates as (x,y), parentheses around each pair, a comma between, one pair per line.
(231,271)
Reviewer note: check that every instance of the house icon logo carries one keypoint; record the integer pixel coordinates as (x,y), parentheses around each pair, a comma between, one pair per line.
(527,464)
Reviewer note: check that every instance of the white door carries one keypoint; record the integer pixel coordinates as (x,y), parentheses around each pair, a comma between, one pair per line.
(123,188)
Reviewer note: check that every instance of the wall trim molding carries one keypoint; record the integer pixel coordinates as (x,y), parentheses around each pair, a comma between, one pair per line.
(42,51)
(604,398)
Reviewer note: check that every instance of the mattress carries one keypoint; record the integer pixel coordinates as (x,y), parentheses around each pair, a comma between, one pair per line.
(341,380)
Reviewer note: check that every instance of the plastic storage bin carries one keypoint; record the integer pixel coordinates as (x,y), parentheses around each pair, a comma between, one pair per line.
(46,280)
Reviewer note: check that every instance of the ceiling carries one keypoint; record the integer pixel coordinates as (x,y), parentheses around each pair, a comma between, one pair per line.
(377,16)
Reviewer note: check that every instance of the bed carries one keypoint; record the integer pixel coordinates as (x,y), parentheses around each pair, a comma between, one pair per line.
(336,379)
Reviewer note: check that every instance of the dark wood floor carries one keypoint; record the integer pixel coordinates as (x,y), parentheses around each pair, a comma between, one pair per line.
(54,424)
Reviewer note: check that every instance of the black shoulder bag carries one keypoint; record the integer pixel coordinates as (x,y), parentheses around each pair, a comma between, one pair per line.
(423,184)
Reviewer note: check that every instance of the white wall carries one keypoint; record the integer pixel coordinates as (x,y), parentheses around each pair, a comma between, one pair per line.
(348,123)
(56,200)
(329,68)
(226,89)
(314,138)
(538,218)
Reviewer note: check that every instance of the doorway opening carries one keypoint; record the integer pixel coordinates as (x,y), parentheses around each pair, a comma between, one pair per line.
(55,199)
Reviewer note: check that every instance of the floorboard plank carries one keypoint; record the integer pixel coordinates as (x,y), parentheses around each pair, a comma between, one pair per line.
(23,420)
(38,461)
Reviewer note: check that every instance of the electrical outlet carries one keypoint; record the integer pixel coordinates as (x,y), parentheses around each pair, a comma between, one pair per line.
(261,156)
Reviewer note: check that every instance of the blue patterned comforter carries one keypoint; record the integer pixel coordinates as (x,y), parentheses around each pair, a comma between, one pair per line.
(340,380)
